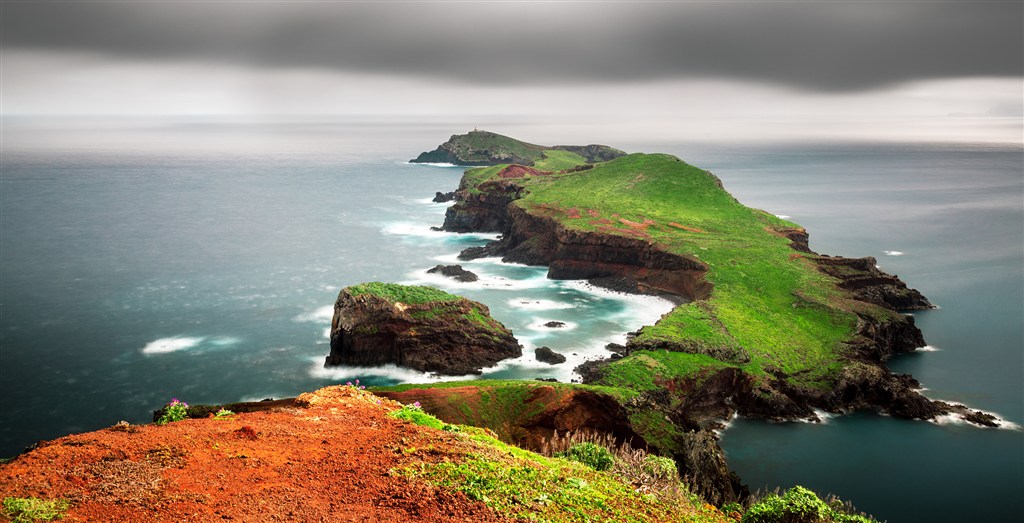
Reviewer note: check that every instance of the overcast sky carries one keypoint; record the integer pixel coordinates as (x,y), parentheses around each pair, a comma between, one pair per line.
(912,69)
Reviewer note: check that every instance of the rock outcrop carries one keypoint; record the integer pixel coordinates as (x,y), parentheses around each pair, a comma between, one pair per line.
(546,355)
(443,197)
(456,272)
(378,324)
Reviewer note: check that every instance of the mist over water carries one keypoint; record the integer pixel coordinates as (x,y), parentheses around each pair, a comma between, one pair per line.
(201,260)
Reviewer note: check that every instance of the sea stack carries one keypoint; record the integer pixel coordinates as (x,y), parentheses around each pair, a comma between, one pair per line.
(420,328)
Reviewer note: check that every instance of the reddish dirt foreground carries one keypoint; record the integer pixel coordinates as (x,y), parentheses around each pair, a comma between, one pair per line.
(326,458)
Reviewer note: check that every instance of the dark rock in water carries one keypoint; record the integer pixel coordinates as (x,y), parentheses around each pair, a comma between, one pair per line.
(617,349)
(378,324)
(485,251)
(549,356)
(554,324)
(442,197)
(454,271)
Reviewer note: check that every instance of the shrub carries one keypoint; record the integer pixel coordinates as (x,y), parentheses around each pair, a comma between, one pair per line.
(174,411)
(594,456)
(25,510)
(798,505)
(660,468)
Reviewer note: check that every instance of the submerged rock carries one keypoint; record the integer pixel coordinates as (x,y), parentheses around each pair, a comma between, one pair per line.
(554,324)
(416,327)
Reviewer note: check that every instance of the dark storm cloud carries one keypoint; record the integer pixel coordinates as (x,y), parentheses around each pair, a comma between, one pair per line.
(820,45)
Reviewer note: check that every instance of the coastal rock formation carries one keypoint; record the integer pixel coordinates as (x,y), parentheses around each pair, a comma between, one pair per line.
(546,355)
(418,328)
(536,239)
(869,284)
(455,272)
(443,197)
(487,148)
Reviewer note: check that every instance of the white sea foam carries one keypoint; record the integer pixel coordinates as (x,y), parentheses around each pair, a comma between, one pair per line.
(954,419)
(892,253)
(172,344)
(641,307)
(928,348)
(224,341)
(486,281)
(432,164)
(538,305)
(420,230)
(320,315)
(783,216)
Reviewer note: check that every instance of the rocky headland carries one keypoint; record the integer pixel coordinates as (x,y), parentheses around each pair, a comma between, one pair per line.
(418,328)
(765,327)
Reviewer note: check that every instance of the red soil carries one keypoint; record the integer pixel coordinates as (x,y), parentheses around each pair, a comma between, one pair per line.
(327,458)
(519,171)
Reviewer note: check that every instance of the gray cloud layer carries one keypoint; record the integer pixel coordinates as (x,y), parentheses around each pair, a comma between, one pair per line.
(828,46)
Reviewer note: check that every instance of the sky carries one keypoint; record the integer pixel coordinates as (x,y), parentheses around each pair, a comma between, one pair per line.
(896,70)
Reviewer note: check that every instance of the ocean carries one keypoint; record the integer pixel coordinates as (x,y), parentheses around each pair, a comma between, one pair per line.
(200,259)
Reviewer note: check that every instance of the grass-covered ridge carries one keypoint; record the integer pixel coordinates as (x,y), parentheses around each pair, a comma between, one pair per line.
(769,301)
(396,293)
(434,304)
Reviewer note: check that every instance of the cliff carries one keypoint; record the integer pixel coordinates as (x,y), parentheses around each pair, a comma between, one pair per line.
(416,327)
(339,453)
(487,148)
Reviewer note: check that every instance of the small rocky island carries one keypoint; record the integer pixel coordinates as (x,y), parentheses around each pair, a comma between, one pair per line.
(487,148)
(420,328)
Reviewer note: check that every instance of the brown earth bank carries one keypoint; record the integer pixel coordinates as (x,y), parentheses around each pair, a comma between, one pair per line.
(456,337)
(325,456)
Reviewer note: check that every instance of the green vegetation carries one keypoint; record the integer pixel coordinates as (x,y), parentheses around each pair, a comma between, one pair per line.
(528,486)
(555,160)
(479,146)
(408,294)
(25,510)
(589,454)
(415,414)
(176,410)
(800,505)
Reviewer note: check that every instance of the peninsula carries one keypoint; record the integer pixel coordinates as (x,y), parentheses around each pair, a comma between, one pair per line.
(765,328)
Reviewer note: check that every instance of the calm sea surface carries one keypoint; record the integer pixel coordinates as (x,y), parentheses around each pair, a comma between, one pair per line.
(194,260)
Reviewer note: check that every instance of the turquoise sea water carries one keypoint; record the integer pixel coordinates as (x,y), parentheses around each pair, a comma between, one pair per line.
(200,260)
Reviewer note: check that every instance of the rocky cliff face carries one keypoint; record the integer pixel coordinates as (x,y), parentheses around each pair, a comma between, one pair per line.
(454,337)
(631,264)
